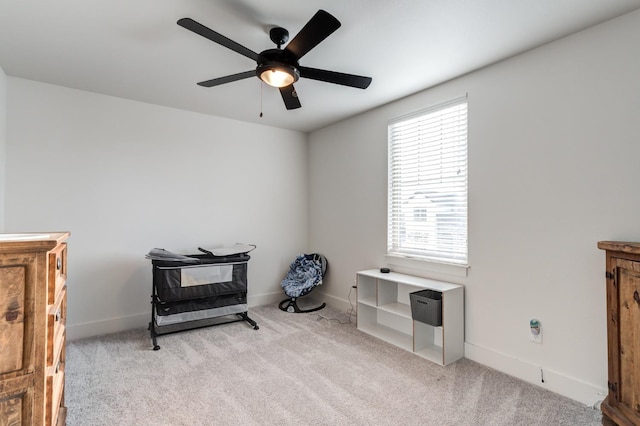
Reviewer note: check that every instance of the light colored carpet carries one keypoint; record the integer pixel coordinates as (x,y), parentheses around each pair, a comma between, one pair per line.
(297,369)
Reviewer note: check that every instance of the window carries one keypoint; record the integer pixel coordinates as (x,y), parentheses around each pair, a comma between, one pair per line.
(427,206)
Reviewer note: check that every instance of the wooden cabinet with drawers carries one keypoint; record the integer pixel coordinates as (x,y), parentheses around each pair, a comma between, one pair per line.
(622,404)
(33,311)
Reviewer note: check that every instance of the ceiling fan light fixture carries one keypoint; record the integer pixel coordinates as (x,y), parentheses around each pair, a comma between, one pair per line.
(278,75)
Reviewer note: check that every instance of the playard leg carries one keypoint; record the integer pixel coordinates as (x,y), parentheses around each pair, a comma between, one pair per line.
(154,338)
(249,320)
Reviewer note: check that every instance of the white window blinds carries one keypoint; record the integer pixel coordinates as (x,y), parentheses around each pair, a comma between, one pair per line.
(427,206)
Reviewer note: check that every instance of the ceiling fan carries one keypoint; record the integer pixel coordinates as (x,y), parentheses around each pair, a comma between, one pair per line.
(279,67)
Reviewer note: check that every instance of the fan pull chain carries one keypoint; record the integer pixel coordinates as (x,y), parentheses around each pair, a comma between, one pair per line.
(261,99)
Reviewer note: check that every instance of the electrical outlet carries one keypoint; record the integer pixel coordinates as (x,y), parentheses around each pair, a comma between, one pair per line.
(535,331)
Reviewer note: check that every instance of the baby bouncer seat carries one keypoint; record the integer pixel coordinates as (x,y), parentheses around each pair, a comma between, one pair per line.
(305,274)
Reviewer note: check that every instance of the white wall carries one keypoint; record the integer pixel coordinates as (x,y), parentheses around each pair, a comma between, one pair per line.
(125,177)
(3,134)
(553,168)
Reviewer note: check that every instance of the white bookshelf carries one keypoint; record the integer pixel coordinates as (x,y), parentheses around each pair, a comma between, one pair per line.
(384,311)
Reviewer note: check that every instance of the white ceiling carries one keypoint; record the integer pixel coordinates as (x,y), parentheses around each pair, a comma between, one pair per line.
(135,49)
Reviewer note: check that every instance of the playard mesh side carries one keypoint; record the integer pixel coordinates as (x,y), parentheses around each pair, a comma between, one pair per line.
(177,281)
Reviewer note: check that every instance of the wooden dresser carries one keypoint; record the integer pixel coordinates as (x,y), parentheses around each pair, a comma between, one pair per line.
(622,404)
(33,295)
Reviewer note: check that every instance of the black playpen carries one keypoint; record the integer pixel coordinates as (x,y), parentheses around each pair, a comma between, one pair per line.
(199,290)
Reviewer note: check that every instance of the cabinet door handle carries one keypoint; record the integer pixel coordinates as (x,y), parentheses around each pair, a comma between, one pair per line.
(58,315)
(59,264)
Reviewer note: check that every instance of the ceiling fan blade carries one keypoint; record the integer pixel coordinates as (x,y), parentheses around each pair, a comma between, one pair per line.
(227,79)
(320,26)
(335,77)
(290,97)
(205,32)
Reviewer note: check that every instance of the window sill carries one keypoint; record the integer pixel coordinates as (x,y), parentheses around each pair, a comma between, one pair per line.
(424,265)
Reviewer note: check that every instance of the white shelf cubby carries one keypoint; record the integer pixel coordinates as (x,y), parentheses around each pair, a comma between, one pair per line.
(384,311)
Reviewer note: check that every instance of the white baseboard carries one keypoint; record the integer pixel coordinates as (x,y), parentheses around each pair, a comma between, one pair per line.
(337,302)
(113,325)
(570,387)
(580,391)
(585,393)
(265,299)
(106,326)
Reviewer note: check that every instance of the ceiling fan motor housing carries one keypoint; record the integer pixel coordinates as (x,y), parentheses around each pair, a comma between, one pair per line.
(279,36)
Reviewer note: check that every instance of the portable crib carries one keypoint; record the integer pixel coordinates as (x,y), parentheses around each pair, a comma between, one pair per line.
(201,291)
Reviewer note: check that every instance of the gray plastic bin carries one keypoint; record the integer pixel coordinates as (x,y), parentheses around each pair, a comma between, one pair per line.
(426,307)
